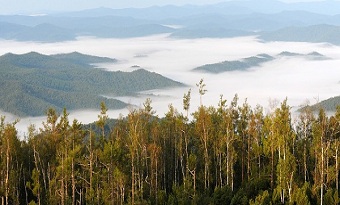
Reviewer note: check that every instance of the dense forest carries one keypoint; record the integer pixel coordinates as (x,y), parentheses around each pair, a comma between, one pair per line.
(227,154)
(33,82)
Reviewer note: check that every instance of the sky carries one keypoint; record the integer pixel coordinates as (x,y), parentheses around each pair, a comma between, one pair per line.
(24,6)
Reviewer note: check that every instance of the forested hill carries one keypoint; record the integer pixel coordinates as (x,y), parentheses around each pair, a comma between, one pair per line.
(31,83)
(245,64)
(328,104)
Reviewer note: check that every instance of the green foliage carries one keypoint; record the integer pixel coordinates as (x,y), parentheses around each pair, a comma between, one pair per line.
(301,195)
(226,155)
(33,82)
(332,197)
(240,197)
(261,199)
(222,195)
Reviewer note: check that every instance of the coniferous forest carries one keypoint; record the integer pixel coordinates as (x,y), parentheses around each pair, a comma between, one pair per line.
(230,153)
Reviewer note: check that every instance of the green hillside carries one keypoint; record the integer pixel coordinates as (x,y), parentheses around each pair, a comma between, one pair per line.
(31,83)
(254,61)
(315,34)
(240,65)
(328,105)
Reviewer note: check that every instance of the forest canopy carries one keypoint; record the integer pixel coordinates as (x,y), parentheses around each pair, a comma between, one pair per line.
(225,154)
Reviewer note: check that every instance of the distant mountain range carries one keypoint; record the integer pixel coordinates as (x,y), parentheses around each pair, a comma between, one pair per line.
(31,83)
(315,34)
(267,19)
(253,61)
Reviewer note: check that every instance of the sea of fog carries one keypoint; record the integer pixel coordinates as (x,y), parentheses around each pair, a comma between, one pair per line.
(298,78)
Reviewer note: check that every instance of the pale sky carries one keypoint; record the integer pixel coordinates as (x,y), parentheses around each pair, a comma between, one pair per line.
(26,6)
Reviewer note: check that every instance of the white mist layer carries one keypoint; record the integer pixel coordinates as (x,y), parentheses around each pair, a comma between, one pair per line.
(296,78)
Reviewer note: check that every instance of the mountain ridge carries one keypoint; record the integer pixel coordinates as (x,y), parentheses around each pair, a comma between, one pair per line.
(211,21)
(245,64)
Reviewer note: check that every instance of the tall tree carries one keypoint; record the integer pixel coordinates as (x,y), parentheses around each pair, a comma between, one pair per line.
(102,118)
(203,125)
(286,139)
(320,129)
(304,133)
(255,148)
(9,162)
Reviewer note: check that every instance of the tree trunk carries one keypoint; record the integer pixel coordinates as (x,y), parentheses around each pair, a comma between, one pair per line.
(336,167)
(7,173)
(272,169)
(132,179)
(322,174)
(73,183)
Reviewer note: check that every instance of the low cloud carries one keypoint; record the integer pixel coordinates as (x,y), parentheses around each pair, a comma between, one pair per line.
(296,78)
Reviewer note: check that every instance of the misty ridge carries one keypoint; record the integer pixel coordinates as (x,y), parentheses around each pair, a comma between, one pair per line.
(230,103)
(268,20)
(260,50)
(253,61)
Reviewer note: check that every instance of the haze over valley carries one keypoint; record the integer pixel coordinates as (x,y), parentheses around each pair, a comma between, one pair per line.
(170,102)
(256,53)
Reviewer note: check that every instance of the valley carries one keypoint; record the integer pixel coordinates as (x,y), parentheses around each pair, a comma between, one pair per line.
(258,53)
(296,73)
(170,102)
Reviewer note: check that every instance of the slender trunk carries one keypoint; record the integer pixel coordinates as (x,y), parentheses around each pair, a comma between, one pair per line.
(49,178)
(186,155)
(248,158)
(156,181)
(220,164)
(206,157)
(242,159)
(164,166)
(259,166)
(62,182)
(232,179)
(132,179)
(7,173)
(26,193)
(336,168)
(193,174)
(183,172)
(206,168)
(73,181)
(91,168)
(37,167)
(305,161)
(176,161)
(280,179)
(322,175)
(111,178)
(305,151)
(73,184)
(272,169)
(227,162)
